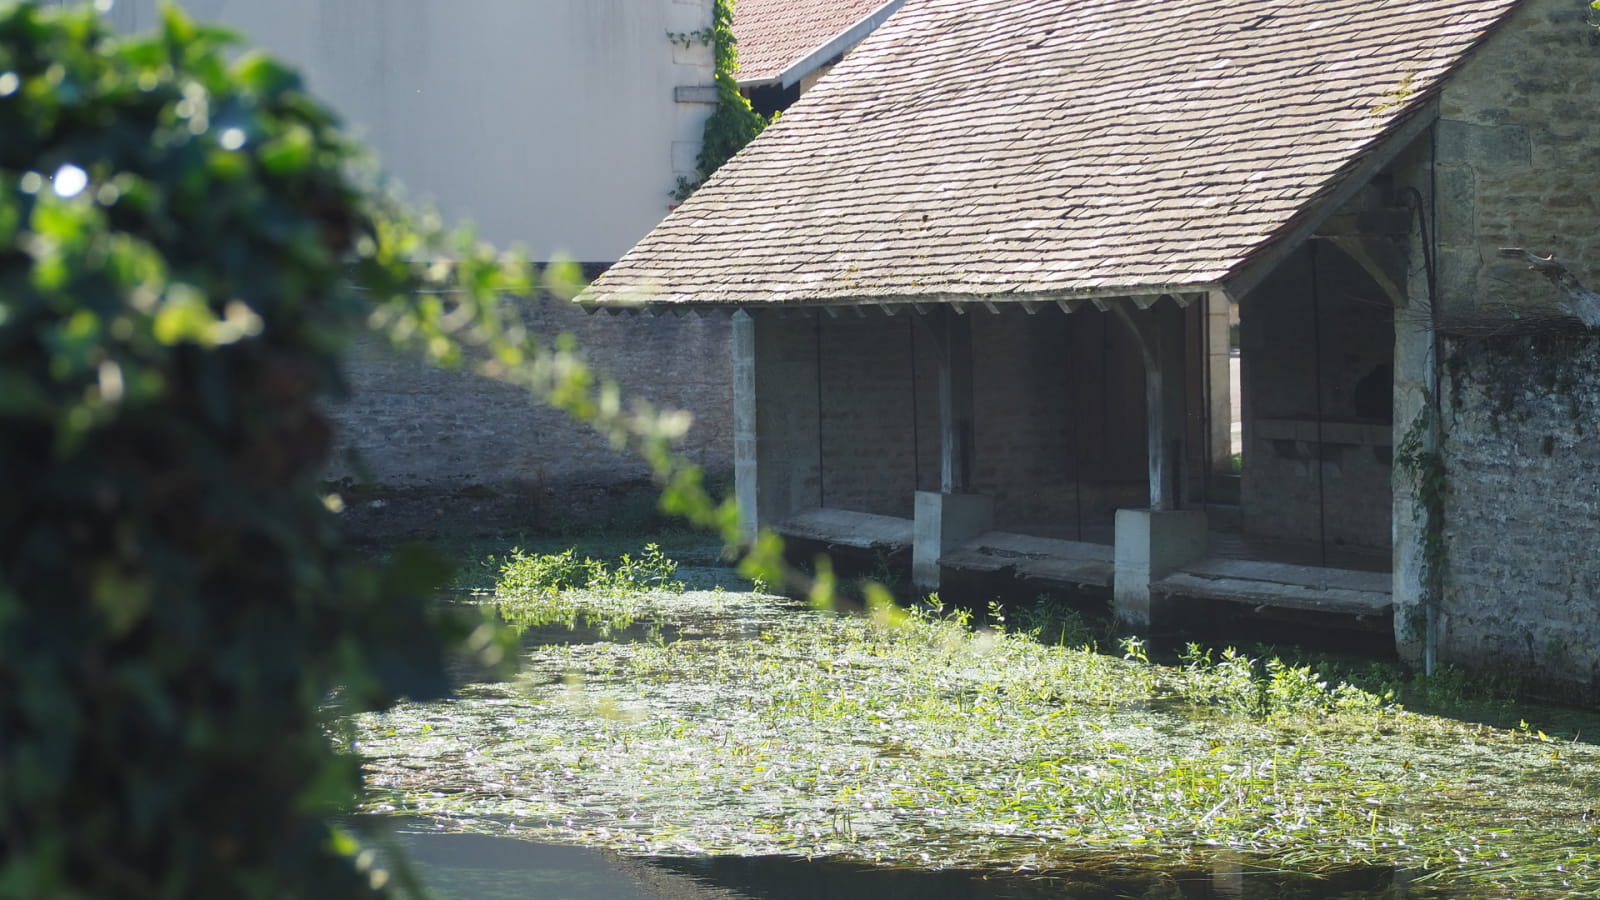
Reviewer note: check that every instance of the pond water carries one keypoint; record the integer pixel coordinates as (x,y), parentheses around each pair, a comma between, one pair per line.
(485,867)
(724,744)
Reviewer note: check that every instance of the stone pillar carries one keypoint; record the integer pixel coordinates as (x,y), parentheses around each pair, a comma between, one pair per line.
(1414,430)
(1151,544)
(1416,620)
(776,451)
(745,442)
(1166,400)
(944,521)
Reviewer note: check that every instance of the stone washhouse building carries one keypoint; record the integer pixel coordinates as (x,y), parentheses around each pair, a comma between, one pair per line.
(981,274)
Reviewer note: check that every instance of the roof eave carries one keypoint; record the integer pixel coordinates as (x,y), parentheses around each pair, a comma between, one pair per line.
(1068,299)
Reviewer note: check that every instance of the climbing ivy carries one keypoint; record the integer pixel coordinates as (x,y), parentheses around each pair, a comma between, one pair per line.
(1419,457)
(734,123)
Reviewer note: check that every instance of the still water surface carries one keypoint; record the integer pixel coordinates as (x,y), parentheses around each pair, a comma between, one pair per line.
(485,867)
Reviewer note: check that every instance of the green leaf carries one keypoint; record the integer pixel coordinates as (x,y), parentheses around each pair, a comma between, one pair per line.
(184,316)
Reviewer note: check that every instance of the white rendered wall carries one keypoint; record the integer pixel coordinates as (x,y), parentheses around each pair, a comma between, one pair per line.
(549,123)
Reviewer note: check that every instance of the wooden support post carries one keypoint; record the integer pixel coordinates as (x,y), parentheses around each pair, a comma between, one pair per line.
(953,334)
(1173,403)
(1217,369)
(1159,332)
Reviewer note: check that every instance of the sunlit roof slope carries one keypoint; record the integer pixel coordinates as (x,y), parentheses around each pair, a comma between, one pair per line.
(781,41)
(1007,149)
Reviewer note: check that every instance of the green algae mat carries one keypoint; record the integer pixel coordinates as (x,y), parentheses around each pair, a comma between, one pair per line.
(732,725)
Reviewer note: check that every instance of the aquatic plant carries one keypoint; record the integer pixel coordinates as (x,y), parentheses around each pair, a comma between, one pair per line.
(925,742)
(565,588)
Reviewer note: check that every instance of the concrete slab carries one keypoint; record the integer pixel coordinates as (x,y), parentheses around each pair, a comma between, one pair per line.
(1281,586)
(943,522)
(1151,544)
(865,531)
(1072,563)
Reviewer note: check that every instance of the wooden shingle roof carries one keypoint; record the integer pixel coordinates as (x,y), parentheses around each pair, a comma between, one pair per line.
(1013,149)
(781,40)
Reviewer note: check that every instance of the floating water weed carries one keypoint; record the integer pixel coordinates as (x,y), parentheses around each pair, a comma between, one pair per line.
(567,589)
(925,742)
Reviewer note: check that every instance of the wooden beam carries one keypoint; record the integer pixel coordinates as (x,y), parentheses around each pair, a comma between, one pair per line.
(1100,304)
(832,311)
(1159,334)
(1031,307)
(889,309)
(991,307)
(1392,222)
(953,334)
(957,308)
(1388,278)
(1145,301)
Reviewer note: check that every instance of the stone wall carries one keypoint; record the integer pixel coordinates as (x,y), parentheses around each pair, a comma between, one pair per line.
(424,450)
(1317,356)
(1515,160)
(1060,418)
(1512,165)
(871,412)
(1522,461)
(1050,438)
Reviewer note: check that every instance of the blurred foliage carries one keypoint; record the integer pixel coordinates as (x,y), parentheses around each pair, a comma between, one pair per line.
(186,244)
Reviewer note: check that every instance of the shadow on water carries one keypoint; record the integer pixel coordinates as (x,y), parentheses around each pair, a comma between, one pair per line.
(483,867)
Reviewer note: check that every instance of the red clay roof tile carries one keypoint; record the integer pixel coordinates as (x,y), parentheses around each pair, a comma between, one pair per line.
(774,35)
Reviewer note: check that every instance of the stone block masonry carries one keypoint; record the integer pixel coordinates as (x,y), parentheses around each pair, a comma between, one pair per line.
(1512,164)
(1515,159)
(1522,463)
(431,451)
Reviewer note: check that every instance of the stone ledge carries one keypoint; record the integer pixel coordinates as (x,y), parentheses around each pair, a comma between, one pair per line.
(844,528)
(1045,559)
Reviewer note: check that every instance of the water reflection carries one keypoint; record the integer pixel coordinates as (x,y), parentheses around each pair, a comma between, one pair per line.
(483,867)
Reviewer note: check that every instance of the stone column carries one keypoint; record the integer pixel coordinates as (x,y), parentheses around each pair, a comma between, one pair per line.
(776,451)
